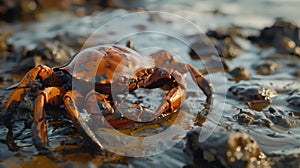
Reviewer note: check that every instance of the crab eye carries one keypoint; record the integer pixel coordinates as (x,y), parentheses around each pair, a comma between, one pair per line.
(150,71)
(122,80)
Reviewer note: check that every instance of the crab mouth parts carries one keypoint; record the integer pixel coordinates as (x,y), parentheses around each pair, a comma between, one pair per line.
(138,82)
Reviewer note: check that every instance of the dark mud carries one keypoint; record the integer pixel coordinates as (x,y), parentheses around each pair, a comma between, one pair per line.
(259,126)
(262,102)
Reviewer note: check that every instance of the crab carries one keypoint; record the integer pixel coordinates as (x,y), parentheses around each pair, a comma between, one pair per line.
(100,70)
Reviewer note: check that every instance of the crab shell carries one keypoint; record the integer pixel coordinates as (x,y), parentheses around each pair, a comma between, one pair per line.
(107,67)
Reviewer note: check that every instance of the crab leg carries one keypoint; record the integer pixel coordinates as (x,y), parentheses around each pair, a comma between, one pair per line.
(40,71)
(202,82)
(27,84)
(165,60)
(16,97)
(97,103)
(50,95)
(71,100)
(174,99)
(102,101)
(13,100)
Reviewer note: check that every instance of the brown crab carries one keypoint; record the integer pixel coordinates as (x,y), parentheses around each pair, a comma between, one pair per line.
(99,70)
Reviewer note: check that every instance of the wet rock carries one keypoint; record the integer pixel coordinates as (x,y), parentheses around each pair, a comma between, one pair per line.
(5,48)
(291,160)
(222,33)
(248,117)
(281,118)
(202,47)
(28,10)
(285,45)
(267,68)
(294,99)
(53,52)
(282,27)
(223,40)
(225,150)
(71,40)
(17,62)
(241,148)
(283,35)
(62,5)
(268,118)
(227,48)
(18,10)
(49,52)
(240,73)
(252,91)
(254,95)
